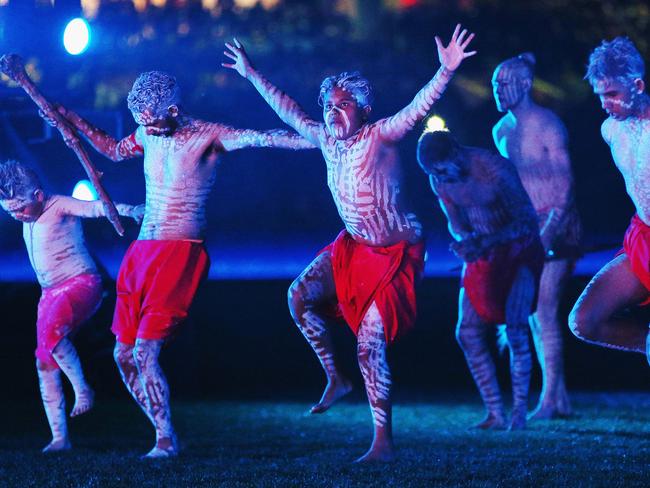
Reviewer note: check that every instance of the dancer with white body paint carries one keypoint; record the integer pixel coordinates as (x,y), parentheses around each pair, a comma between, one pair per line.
(162,269)
(600,315)
(494,227)
(535,140)
(368,273)
(70,283)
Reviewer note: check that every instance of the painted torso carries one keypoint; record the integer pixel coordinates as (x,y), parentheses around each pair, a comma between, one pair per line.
(488,200)
(55,245)
(629,141)
(525,142)
(179,174)
(363,175)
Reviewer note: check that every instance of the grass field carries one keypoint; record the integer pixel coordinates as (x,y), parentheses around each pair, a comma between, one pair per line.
(274,443)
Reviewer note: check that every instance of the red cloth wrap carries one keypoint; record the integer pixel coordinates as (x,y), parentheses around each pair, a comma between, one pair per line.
(636,245)
(488,280)
(155,288)
(64,308)
(386,275)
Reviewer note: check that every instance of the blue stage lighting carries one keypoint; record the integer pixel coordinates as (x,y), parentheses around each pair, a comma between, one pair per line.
(76,36)
(84,190)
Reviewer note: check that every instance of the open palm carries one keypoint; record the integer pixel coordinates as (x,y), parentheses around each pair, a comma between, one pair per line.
(452,55)
(242,64)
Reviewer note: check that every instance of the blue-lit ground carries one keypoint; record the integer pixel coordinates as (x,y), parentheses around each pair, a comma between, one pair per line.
(273,443)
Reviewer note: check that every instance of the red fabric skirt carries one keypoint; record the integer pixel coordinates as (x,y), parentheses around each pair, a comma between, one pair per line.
(636,245)
(386,275)
(488,280)
(155,287)
(64,308)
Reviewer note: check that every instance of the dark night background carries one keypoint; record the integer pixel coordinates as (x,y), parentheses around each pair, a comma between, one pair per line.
(270,210)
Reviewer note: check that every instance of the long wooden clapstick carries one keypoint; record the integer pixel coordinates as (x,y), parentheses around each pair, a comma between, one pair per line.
(12,65)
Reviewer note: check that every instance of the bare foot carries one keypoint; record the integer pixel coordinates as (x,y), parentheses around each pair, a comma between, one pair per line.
(543,412)
(518,420)
(335,389)
(492,422)
(166,447)
(547,412)
(58,445)
(83,402)
(378,453)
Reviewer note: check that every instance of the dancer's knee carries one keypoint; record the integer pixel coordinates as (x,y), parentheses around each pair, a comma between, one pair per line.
(122,355)
(43,366)
(517,336)
(582,322)
(295,300)
(466,336)
(363,355)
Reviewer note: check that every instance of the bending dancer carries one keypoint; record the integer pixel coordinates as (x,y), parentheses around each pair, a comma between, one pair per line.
(162,269)
(616,72)
(369,271)
(495,233)
(535,141)
(71,286)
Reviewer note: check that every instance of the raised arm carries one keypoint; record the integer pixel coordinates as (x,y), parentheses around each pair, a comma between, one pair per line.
(129,147)
(94,209)
(287,109)
(394,128)
(232,139)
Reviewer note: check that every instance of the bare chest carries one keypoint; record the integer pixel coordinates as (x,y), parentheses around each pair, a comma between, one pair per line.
(630,145)
(181,161)
(524,147)
(357,170)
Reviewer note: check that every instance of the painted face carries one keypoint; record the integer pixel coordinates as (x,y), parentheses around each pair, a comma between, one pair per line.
(24,208)
(155,125)
(617,98)
(341,113)
(446,172)
(508,88)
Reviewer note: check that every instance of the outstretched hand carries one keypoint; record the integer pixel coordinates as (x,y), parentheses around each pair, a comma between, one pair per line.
(236,52)
(452,55)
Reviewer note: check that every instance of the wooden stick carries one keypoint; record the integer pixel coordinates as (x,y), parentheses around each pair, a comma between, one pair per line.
(12,65)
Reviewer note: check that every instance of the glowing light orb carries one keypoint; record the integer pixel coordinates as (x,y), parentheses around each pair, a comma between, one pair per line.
(76,36)
(84,190)
(436,123)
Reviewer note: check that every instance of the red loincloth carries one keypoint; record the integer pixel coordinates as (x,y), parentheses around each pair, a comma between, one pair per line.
(155,288)
(636,245)
(64,308)
(386,275)
(487,281)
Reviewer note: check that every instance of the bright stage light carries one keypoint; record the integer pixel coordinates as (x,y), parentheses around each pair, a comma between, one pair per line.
(84,190)
(436,123)
(76,36)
